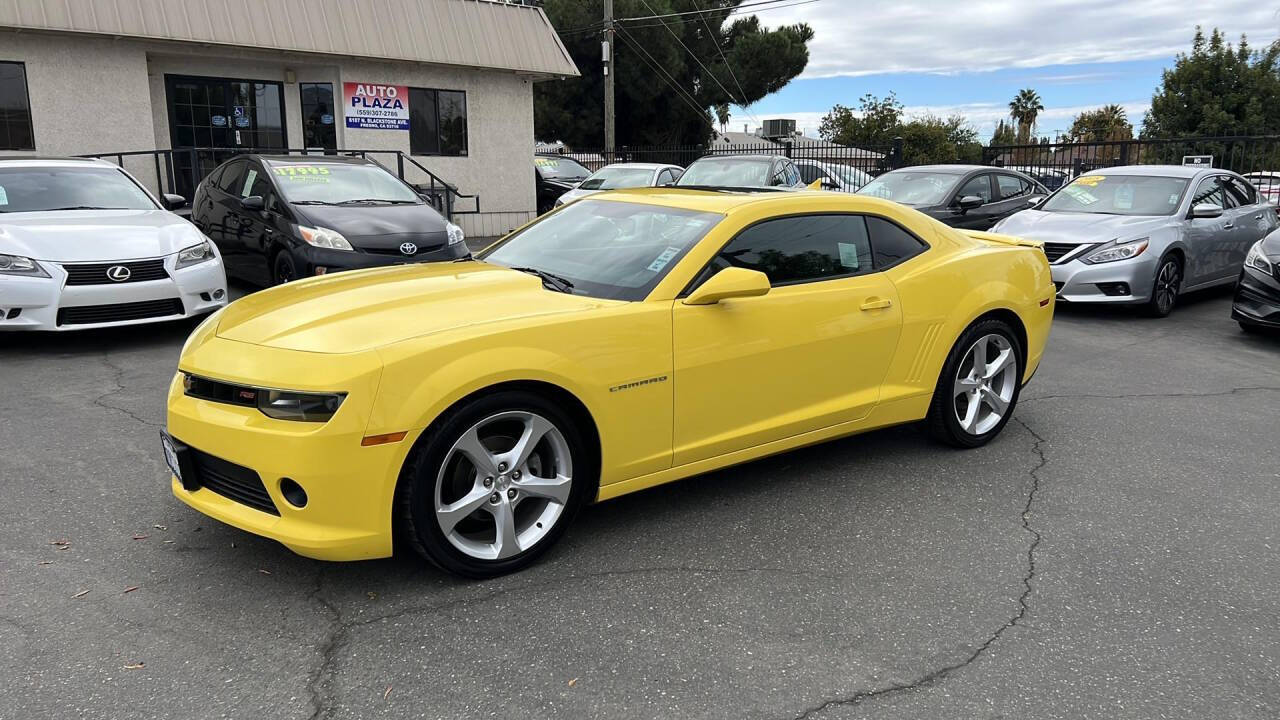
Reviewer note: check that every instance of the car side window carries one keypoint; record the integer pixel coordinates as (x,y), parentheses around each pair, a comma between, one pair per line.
(800,249)
(1210,191)
(793,174)
(1242,192)
(890,244)
(664,177)
(1011,187)
(980,186)
(809,173)
(232,175)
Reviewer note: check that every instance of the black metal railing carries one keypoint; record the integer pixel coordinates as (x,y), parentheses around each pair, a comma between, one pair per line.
(873,160)
(179,170)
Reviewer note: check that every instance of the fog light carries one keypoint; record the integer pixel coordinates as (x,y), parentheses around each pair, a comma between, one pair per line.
(1114,289)
(293,493)
(217,294)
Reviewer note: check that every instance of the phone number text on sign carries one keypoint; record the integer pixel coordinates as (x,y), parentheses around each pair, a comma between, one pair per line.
(371,106)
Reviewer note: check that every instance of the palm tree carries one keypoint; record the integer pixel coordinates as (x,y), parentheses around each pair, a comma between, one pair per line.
(1024,109)
(722,115)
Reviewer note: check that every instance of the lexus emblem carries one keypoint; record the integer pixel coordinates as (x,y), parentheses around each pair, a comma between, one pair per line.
(118,273)
(408,249)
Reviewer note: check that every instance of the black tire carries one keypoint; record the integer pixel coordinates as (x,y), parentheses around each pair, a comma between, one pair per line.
(1249,329)
(941,421)
(283,270)
(415,502)
(1165,288)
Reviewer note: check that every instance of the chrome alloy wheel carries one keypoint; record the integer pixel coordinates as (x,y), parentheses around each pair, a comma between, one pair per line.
(984,384)
(503,485)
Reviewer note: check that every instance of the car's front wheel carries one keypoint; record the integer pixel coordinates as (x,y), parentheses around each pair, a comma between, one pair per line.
(1165,289)
(282,269)
(493,484)
(979,385)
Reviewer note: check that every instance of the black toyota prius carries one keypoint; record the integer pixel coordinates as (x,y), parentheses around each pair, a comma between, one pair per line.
(278,218)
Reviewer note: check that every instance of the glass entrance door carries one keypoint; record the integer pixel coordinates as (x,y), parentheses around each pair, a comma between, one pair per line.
(220,117)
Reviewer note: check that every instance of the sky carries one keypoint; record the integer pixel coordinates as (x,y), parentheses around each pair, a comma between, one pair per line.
(973,57)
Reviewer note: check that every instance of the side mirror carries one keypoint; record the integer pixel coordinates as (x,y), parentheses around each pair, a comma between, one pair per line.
(729,283)
(1206,210)
(969,202)
(253,202)
(173,202)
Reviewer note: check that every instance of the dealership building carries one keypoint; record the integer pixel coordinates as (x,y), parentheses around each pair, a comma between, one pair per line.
(448,83)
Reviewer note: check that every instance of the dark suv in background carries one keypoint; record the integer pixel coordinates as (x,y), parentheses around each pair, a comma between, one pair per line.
(279,218)
(973,197)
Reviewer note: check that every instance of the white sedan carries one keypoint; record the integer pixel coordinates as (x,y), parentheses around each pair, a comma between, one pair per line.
(84,245)
(623,175)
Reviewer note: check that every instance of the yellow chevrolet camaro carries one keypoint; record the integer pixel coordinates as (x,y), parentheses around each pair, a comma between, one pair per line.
(630,339)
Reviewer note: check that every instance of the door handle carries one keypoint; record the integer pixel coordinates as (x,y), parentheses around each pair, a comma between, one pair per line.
(1228,226)
(876,303)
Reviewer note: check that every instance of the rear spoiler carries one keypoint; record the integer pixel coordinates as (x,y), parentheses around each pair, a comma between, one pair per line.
(998,239)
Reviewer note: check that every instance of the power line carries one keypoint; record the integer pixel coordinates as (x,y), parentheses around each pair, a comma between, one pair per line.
(740,8)
(715,35)
(666,77)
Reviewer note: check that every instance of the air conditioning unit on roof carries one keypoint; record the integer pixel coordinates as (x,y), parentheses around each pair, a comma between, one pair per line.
(778,129)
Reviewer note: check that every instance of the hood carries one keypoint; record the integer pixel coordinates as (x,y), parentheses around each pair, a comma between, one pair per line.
(1271,244)
(577,193)
(361,310)
(1077,228)
(95,235)
(379,227)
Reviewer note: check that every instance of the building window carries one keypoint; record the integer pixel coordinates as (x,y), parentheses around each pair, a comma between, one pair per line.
(437,122)
(15,108)
(318,130)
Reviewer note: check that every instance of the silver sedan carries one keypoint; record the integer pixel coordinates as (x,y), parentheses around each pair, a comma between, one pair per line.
(1143,234)
(623,175)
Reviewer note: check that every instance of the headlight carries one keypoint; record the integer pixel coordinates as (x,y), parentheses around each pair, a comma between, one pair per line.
(324,238)
(1255,259)
(300,406)
(1118,251)
(455,234)
(18,265)
(195,255)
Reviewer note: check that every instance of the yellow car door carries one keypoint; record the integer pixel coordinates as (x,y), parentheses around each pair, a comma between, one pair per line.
(809,354)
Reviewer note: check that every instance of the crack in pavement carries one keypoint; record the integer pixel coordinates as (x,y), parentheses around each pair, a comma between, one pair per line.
(317,683)
(1023,606)
(117,379)
(1138,396)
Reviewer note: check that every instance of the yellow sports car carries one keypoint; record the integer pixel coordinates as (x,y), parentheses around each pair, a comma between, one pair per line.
(626,340)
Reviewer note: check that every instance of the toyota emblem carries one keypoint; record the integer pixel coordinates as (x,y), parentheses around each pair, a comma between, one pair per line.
(118,273)
(408,249)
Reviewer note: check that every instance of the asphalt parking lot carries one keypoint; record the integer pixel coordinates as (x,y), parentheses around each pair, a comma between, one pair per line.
(1111,555)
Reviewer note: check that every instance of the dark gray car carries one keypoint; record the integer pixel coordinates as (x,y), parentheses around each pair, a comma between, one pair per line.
(973,197)
(1142,234)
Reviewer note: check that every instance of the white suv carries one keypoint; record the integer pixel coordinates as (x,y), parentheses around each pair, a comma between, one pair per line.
(84,245)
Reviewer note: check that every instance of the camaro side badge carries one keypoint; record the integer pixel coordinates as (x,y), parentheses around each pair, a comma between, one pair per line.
(638,383)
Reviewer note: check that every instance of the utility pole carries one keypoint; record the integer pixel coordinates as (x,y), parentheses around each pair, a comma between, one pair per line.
(606,49)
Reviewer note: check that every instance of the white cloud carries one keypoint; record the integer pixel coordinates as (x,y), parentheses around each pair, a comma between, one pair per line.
(982,116)
(854,38)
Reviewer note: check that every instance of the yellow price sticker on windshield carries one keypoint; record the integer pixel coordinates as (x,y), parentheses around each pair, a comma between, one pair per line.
(1090,180)
(296,170)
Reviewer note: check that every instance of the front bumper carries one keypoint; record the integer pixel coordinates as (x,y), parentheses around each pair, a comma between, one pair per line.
(1257,300)
(320,261)
(31,303)
(350,488)
(1079,282)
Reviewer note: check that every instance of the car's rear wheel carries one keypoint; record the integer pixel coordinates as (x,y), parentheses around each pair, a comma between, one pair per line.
(978,387)
(493,484)
(282,268)
(1165,289)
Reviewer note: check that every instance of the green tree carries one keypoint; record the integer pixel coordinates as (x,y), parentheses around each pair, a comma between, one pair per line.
(1004,134)
(926,139)
(875,123)
(1217,90)
(1107,123)
(1024,109)
(737,62)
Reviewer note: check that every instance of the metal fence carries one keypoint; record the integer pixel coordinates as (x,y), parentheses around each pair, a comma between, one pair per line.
(178,171)
(873,160)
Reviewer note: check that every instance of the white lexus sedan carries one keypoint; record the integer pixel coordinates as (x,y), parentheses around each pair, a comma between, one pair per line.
(84,245)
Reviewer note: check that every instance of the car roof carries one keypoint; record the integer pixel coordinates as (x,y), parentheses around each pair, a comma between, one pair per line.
(746,156)
(638,166)
(946,169)
(1177,171)
(723,201)
(310,159)
(39,161)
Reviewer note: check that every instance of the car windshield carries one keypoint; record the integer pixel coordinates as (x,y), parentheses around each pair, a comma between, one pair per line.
(560,168)
(609,178)
(1119,195)
(38,189)
(336,184)
(912,188)
(603,248)
(728,172)
(851,177)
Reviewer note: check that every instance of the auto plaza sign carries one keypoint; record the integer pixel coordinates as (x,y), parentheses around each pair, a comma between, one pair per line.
(370,106)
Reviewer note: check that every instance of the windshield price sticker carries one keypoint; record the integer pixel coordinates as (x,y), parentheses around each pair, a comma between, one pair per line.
(1090,180)
(303,173)
(662,259)
(1080,195)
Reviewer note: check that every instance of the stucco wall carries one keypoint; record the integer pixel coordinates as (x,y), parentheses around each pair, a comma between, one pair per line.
(101,95)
